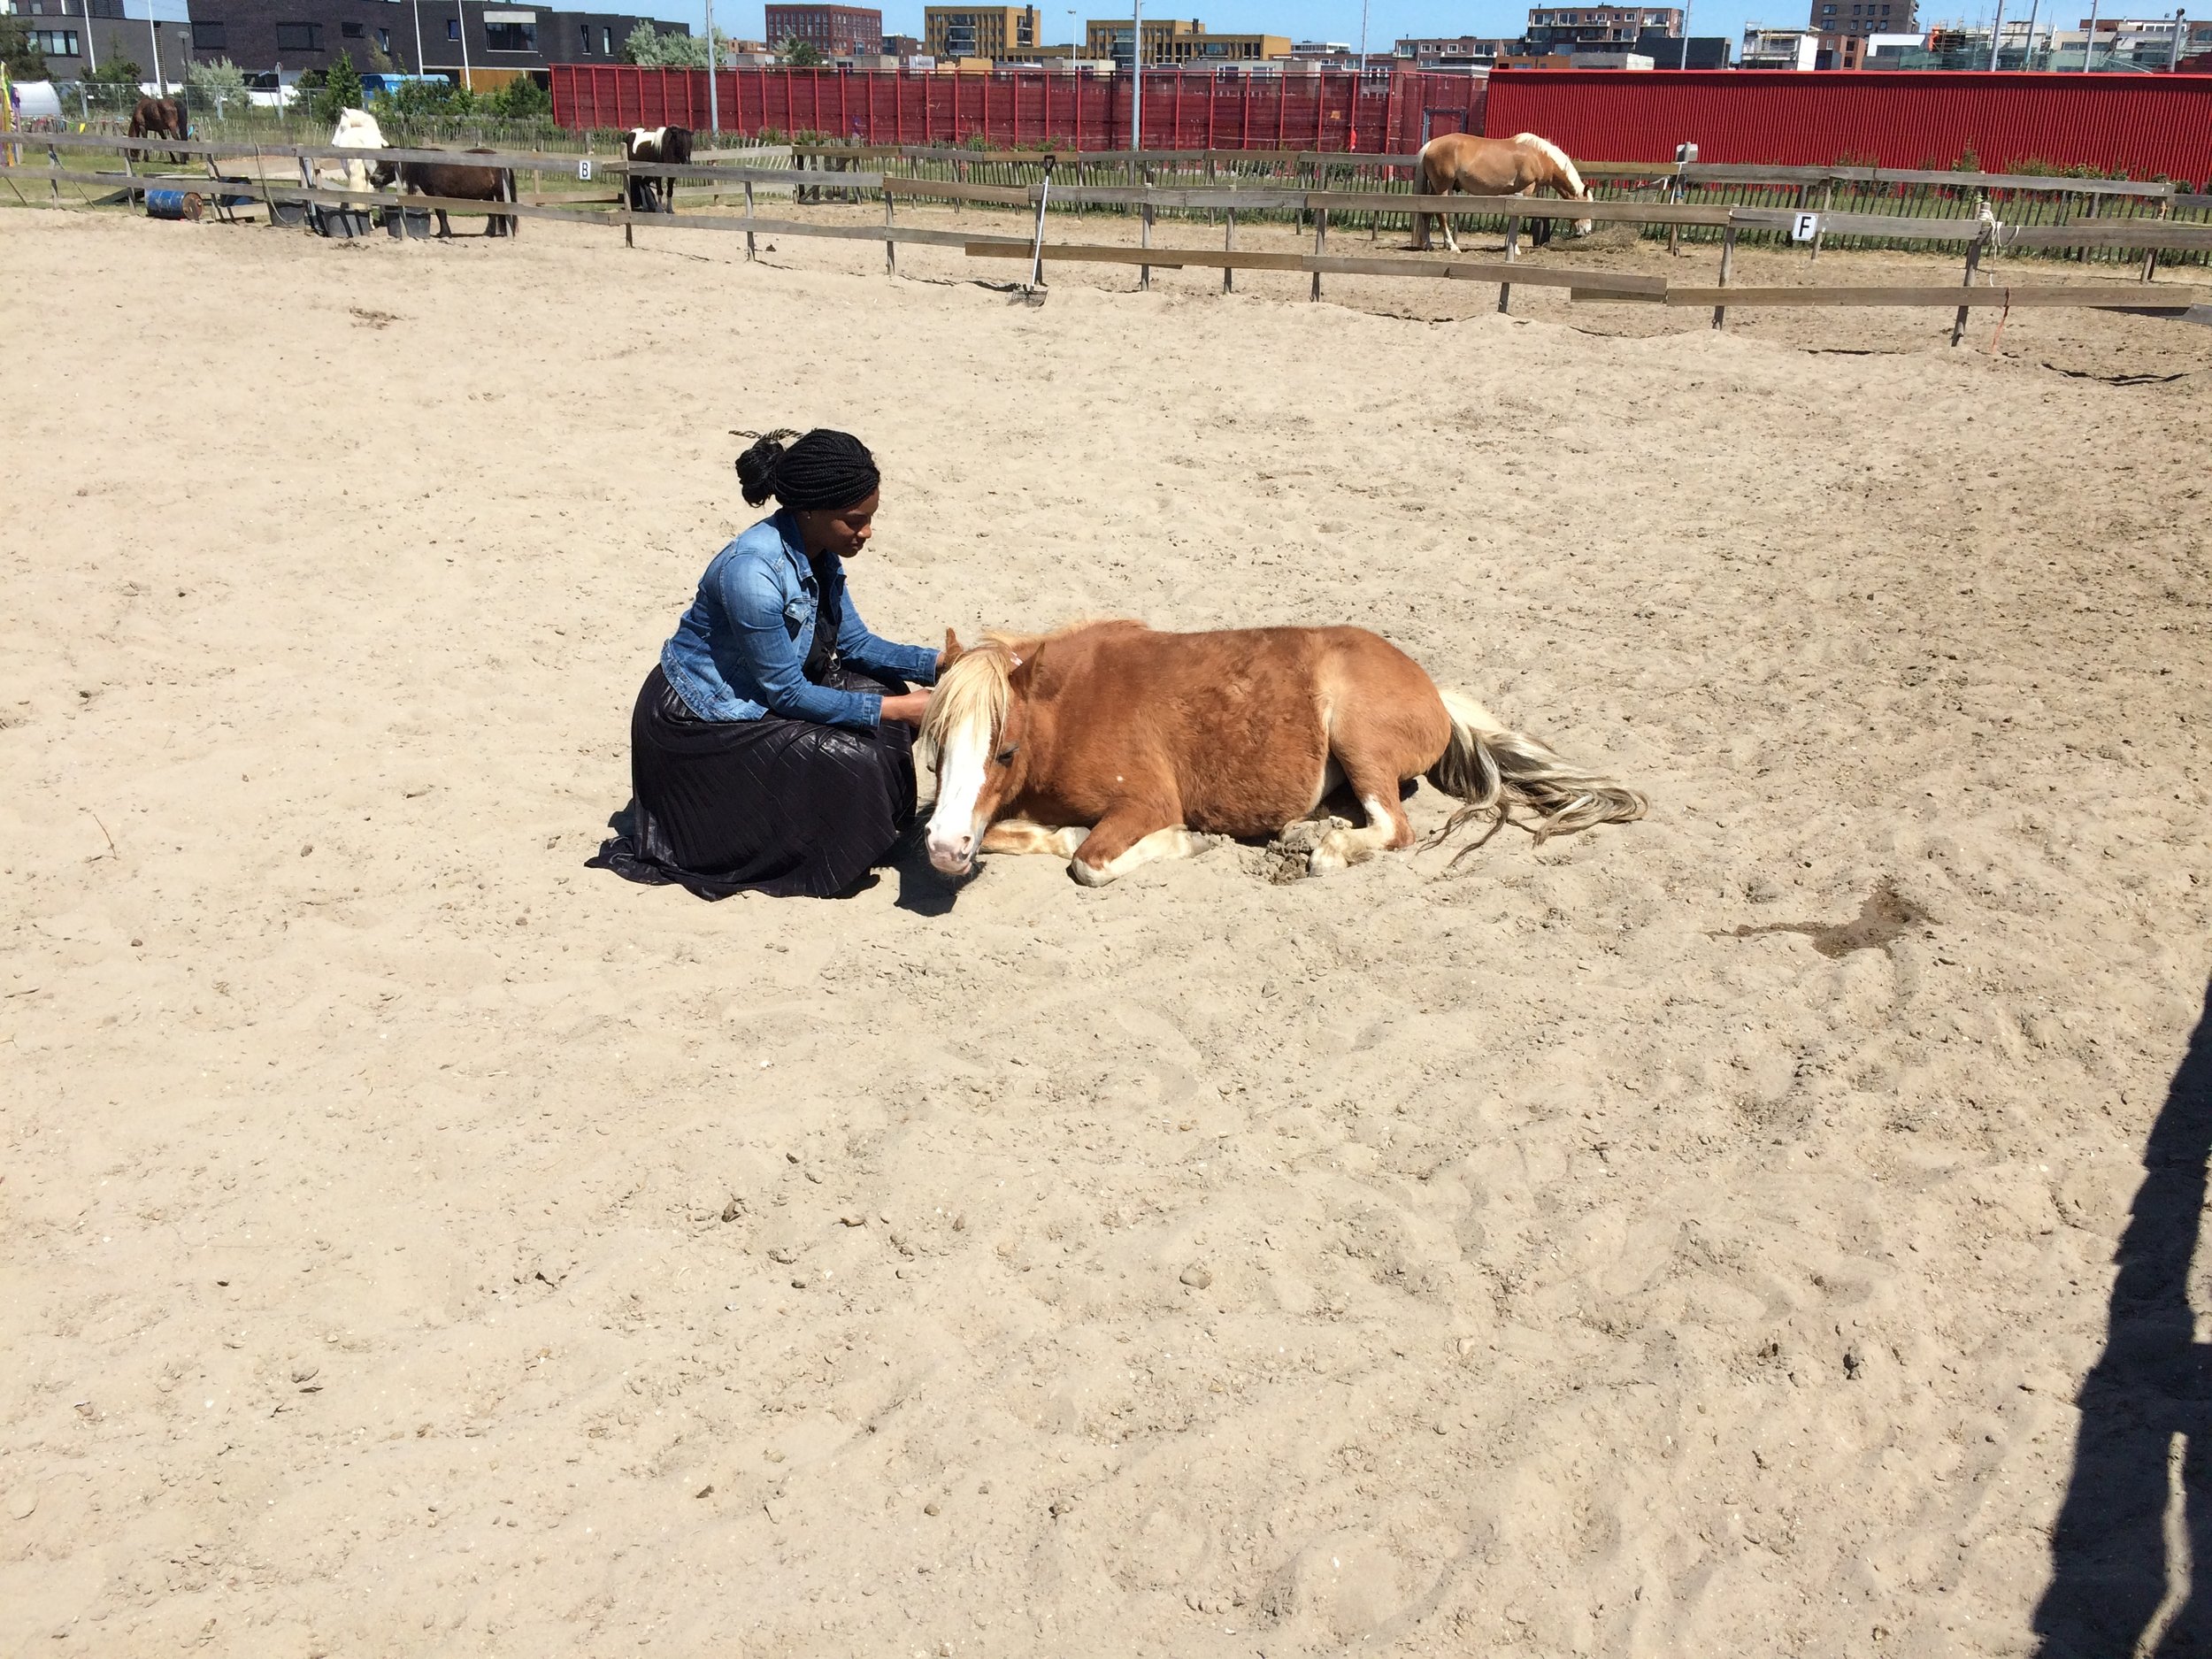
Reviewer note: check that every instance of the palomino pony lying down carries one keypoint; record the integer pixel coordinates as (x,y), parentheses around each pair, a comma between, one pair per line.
(1110,745)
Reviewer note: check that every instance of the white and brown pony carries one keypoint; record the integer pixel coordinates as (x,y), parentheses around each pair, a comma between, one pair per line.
(1520,165)
(1110,745)
(356,129)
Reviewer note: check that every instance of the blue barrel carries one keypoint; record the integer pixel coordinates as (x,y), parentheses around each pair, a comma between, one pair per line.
(173,204)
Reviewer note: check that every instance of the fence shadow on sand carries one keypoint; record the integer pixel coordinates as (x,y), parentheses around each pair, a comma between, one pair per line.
(2133,1540)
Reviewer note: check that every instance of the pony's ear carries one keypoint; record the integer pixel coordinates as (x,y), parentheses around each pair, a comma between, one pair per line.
(954,650)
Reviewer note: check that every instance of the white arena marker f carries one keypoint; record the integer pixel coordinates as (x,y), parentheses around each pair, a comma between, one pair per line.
(1804,227)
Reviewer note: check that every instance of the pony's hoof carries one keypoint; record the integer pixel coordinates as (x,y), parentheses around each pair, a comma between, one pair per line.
(1338,851)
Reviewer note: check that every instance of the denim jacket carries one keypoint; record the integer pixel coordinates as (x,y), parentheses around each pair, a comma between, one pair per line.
(740,650)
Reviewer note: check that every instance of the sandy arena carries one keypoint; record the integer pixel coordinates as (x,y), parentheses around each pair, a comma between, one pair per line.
(418,1242)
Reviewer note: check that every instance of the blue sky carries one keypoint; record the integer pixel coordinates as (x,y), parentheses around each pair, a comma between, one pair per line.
(1339,19)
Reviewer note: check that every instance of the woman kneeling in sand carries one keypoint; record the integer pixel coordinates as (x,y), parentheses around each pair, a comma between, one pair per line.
(770,749)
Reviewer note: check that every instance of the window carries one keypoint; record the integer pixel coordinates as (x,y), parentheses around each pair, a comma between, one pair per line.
(453,28)
(208,37)
(586,32)
(384,40)
(55,42)
(350,31)
(606,42)
(512,37)
(97,9)
(299,37)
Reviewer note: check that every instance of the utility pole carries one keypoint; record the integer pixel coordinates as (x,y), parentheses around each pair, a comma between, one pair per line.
(2089,46)
(461,12)
(1136,74)
(2181,28)
(714,96)
(1996,34)
(153,34)
(418,37)
(1684,63)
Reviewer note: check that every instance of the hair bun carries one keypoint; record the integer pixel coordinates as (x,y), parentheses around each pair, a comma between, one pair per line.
(757,465)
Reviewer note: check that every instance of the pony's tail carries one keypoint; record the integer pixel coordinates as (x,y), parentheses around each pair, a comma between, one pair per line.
(1495,770)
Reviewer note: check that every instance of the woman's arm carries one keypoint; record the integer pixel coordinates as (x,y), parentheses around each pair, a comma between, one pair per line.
(857,646)
(753,601)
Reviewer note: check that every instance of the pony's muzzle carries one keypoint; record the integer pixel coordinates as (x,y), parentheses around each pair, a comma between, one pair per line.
(952,855)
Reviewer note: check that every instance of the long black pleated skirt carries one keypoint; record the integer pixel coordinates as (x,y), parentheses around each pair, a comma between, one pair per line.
(775,806)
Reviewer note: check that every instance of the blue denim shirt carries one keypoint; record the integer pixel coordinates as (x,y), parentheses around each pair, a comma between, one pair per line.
(741,650)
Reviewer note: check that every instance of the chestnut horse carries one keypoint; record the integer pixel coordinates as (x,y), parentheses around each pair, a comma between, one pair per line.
(1110,745)
(1520,165)
(159,118)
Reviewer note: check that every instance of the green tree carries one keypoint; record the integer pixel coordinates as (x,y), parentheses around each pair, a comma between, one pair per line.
(801,54)
(341,90)
(16,54)
(647,45)
(521,99)
(117,72)
(214,89)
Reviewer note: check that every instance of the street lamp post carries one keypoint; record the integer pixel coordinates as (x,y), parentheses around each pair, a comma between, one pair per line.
(1136,74)
(714,99)
(462,27)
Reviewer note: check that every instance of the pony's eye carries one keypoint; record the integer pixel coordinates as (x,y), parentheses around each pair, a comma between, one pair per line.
(1007,754)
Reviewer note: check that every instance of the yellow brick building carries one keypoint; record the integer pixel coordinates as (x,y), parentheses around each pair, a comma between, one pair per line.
(1180,42)
(990,32)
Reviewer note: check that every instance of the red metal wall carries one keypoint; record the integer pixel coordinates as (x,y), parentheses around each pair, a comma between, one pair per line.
(2142,126)
(1195,110)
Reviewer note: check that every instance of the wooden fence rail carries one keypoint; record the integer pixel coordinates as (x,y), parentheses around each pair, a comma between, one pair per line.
(1582,284)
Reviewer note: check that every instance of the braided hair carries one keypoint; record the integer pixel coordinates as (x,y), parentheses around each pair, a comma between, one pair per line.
(824,468)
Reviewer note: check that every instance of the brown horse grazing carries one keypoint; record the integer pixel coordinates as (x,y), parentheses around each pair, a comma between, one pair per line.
(1520,165)
(457,182)
(1152,741)
(159,118)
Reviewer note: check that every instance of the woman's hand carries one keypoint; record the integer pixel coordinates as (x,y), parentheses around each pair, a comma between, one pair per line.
(908,709)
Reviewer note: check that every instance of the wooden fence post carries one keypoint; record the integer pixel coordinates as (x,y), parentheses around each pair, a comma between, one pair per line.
(53,160)
(1512,255)
(1144,234)
(1827,201)
(1228,245)
(1320,245)
(1973,262)
(890,247)
(2150,255)
(1727,268)
(748,214)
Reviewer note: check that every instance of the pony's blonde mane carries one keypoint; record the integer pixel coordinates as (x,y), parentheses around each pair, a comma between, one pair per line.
(1558,157)
(971,696)
(975,693)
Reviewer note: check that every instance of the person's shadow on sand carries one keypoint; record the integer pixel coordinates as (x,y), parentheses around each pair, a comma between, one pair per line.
(2117,1587)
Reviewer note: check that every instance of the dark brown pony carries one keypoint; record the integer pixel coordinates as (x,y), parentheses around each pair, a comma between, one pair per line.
(159,118)
(456,181)
(1111,745)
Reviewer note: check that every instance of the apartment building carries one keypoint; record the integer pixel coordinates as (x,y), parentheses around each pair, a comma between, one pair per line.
(833,31)
(1861,18)
(1180,43)
(1585,28)
(991,32)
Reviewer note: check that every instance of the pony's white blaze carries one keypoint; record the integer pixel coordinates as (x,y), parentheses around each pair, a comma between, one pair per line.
(955,825)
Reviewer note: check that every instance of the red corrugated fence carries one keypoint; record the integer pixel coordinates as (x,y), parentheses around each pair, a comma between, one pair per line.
(1182,110)
(2144,126)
